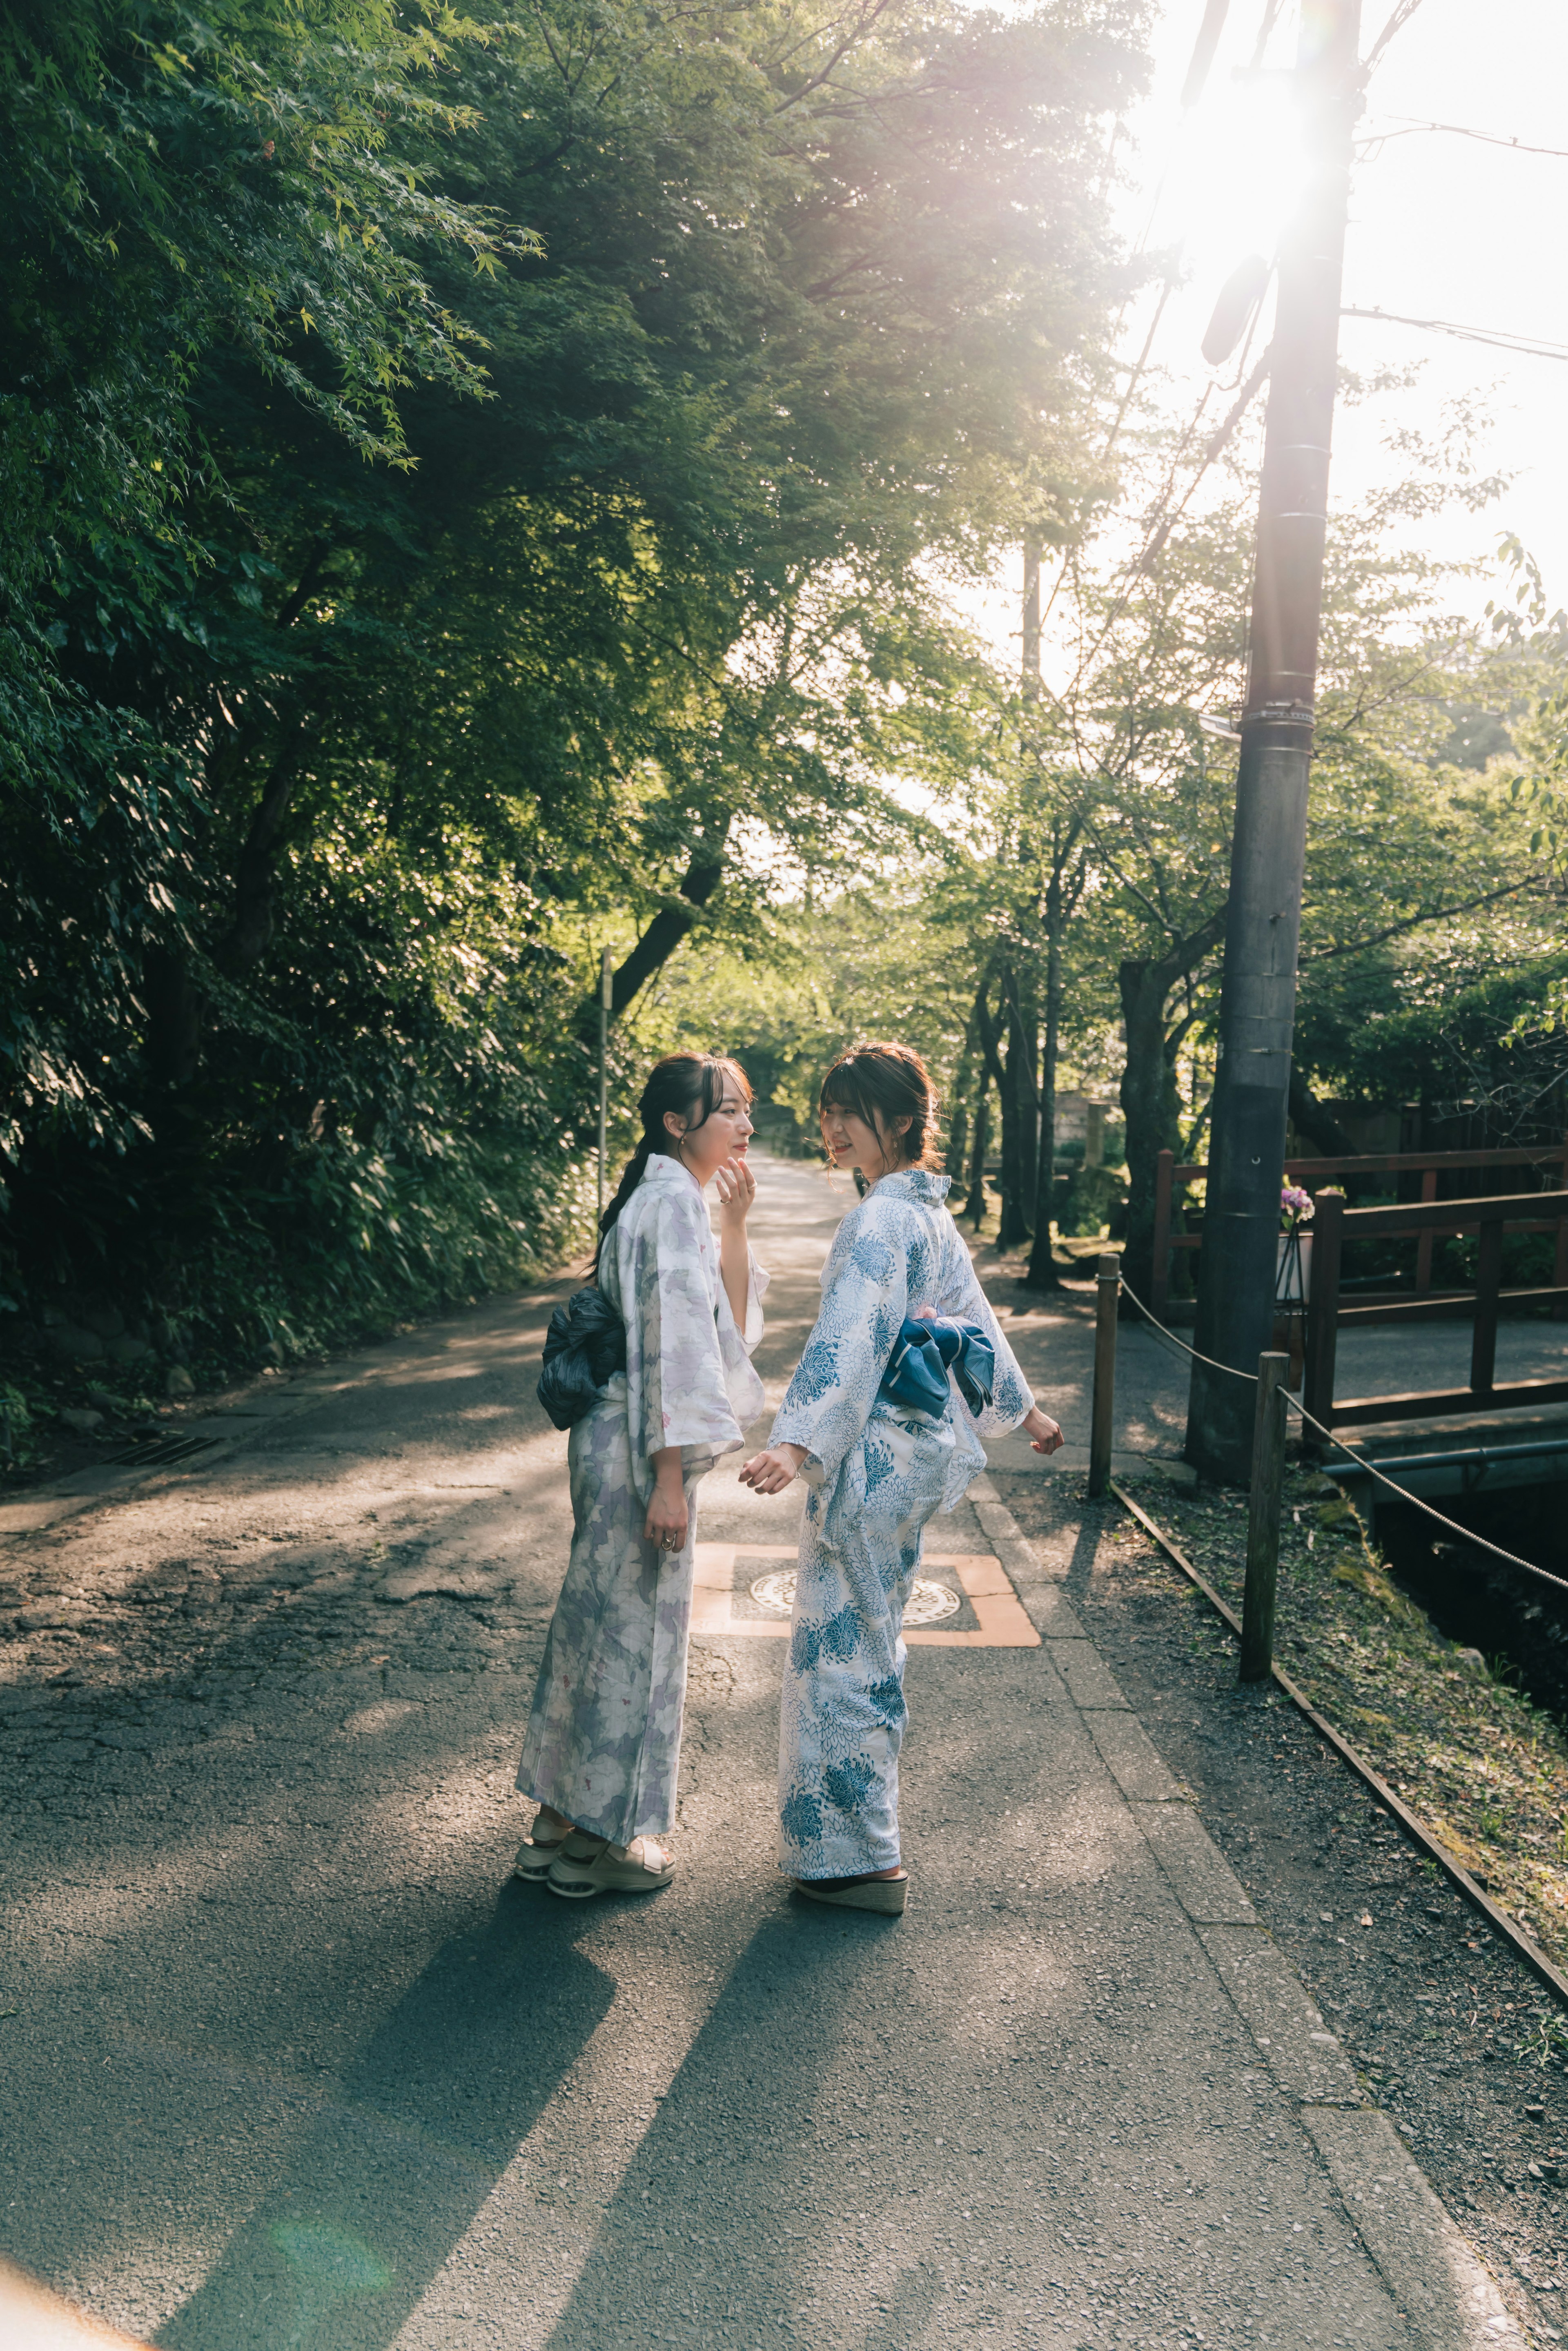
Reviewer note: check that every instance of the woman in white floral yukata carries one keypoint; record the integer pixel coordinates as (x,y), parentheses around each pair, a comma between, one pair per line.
(602,1748)
(877,1472)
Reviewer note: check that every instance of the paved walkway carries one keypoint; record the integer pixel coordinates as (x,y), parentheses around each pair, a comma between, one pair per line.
(293,2065)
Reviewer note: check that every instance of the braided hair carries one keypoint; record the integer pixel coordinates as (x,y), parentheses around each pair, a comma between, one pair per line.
(692,1086)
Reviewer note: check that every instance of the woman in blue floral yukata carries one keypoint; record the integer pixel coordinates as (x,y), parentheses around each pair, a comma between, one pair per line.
(602,1748)
(877,1472)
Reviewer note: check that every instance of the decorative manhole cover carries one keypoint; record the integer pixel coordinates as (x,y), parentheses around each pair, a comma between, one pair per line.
(928,1602)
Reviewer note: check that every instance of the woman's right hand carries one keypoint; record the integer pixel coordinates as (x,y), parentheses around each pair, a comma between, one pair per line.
(770,1472)
(668,1522)
(1043,1433)
(736,1188)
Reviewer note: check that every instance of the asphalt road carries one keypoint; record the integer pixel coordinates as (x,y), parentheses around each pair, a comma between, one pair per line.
(292,2063)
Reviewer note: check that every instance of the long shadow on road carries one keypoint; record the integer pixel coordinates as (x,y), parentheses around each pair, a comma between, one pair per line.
(709,2228)
(390,2176)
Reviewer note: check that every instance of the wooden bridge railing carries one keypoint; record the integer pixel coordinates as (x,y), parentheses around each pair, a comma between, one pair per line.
(1169,1177)
(1333,1223)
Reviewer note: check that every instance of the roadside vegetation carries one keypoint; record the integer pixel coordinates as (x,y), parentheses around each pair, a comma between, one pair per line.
(1450,1730)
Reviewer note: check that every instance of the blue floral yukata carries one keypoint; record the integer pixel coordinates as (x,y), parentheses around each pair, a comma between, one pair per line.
(603,1740)
(876,1477)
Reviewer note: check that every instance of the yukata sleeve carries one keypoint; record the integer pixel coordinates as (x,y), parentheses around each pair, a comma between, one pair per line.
(756,1285)
(1012,1399)
(679,1396)
(737,1346)
(829,1401)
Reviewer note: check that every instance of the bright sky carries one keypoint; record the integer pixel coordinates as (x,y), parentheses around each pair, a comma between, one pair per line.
(1441,227)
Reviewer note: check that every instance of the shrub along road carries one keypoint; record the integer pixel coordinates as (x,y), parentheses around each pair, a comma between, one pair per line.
(293,2063)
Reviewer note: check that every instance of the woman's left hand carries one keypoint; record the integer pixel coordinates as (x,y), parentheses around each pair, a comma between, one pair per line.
(770,1472)
(737,1190)
(1042,1432)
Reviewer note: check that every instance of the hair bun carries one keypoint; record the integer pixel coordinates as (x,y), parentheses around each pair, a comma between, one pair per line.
(885,1084)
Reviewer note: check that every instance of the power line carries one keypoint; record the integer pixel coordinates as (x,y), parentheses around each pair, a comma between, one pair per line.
(1415,125)
(1532,346)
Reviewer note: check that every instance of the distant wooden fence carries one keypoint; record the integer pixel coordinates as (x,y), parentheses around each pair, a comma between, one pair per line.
(1169,1178)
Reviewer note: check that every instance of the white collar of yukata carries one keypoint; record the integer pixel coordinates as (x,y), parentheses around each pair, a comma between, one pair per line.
(919,1183)
(663,1167)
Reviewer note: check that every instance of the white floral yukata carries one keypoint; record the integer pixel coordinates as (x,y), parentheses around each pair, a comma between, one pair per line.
(603,1740)
(876,1476)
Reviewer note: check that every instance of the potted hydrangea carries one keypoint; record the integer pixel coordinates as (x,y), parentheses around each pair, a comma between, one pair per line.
(1293,1276)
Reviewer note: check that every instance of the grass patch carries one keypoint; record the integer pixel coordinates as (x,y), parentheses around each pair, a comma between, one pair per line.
(1483,1765)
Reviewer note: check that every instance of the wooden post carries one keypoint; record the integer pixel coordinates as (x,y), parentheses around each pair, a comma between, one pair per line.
(1489,1281)
(1560,1270)
(1425,1240)
(1103,1419)
(1323,1313)
(1159,1286)
(1263,1518)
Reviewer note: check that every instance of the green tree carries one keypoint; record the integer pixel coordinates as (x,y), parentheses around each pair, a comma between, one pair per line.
(1399,840)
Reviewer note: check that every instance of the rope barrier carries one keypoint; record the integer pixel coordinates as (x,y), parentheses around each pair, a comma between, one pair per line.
(1476,1543)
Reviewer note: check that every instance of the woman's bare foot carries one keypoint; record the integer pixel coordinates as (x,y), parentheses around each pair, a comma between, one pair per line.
(644,1850)
(549,1826)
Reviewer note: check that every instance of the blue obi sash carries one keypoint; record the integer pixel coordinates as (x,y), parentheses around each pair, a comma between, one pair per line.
(916,1380)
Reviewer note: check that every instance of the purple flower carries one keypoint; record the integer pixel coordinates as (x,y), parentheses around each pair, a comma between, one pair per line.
(1295,1204)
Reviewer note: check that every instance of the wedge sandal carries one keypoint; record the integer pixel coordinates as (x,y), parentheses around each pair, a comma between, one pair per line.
(537,1856)
(888,1896)
(590,1865)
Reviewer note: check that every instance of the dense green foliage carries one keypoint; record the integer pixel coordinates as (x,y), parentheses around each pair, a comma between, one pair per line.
(477,487)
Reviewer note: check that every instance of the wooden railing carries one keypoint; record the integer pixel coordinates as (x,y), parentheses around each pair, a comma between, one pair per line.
(1169,1177)
(1334,1224)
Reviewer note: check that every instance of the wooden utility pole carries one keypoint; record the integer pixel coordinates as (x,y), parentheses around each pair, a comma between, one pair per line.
(1258,999)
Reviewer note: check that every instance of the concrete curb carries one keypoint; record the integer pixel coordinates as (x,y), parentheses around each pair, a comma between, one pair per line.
(1439,2284)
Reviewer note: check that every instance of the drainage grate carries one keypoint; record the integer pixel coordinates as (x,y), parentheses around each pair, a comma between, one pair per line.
(165,1450)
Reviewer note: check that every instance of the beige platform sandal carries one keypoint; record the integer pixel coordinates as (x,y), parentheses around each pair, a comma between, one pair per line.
(590,1865)
(537,1856)
(888,1896)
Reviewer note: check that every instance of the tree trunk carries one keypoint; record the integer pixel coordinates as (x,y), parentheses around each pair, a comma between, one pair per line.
(975,1205)
(1042,1273)
(1023,1060)
(1011,1232)
(174,1019)
(958,1124)
(1308,1117)
(704,871)
(255,909)
(1151,1105)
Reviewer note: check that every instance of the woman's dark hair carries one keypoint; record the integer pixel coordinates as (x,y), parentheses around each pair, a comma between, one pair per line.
(882,1084)
(692,1086)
